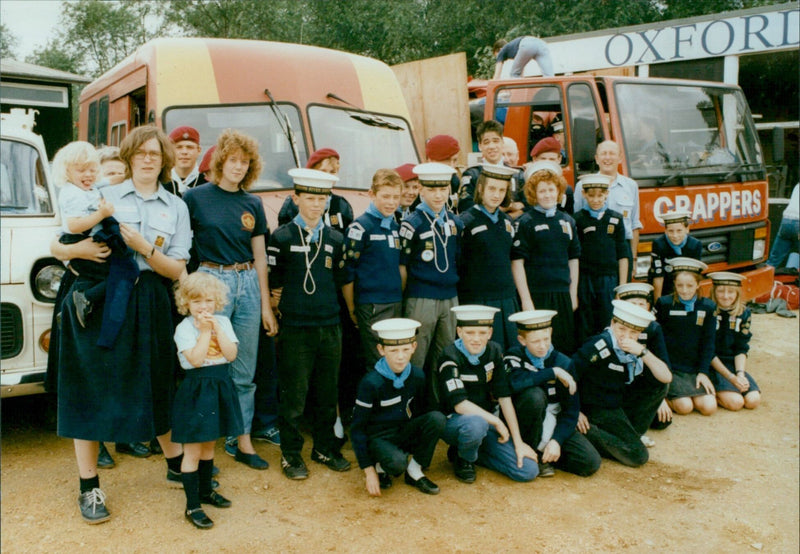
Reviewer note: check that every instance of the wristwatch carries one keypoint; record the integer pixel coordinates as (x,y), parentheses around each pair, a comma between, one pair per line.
(643,353)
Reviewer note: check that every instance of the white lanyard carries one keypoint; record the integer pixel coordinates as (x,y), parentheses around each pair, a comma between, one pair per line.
(442,240)
(309,277)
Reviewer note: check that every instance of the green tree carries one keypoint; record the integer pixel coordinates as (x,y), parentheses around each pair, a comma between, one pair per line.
(8,42)
(55,56)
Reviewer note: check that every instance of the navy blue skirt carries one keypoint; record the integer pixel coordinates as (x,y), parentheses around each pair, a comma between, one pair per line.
(123,393)
(206,406)
(722,384)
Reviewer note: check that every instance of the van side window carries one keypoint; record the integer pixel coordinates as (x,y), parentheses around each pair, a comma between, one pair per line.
(23,189)
(585,123)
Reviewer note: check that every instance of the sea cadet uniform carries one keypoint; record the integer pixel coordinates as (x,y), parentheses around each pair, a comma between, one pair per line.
(484,266)
(390,420)
(469,181)
(663,250)
(544,407)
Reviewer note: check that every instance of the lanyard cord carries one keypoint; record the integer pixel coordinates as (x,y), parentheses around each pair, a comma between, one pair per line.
(442,240)
(306,248)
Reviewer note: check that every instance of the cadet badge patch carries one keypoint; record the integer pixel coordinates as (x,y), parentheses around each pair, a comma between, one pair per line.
(248,221)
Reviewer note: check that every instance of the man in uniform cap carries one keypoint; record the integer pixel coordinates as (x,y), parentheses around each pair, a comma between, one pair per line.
(604,367)
(185,174)
(390,421)
(471,383)
(305,258)
(545,397)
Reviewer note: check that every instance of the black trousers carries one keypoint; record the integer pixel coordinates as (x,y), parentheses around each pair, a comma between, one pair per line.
(611,433)
(578,456)
(418,437)
(308,369)
(641,402)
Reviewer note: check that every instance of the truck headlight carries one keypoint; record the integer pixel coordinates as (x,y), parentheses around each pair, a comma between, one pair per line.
(642,266)
(46,281)
(759,247)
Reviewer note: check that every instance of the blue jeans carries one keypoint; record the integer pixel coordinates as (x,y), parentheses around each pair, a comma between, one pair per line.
(477,441)
(244,311)
(786,241)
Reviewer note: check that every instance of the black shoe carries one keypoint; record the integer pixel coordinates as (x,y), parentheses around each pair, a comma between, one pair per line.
(253,461)
(385,480)
(452,454)
(464,470)
(214,471)
(104,459)
(335,461)
(423,484)
(216,500)
(93,506)
(82,307)
(155,447)
(174,479)
(199,519)
(294,467)
(546,470)
(135,449)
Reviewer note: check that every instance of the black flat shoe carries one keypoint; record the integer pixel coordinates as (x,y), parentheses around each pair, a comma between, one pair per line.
(385,480)
(135,449)
(423,484)
(253,461)
(155,447)
(216,500)
(104,459)
(199,519)
(464,470)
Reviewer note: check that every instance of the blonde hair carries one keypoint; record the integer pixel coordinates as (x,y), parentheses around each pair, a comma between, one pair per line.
(230,142)
(109,154)
(543,176)
(738,306)
(200,284)
(140,135)
(386,178)
(78,153)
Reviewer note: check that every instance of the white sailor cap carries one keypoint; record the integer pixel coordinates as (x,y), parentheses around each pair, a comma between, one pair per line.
(498,171)
(543,165)
(687,264)
(434,174)
(396,331)
(726,278)
(312,180)
(531,320)
(631,315)
(677,216)
(595,181)
(634,290)
(471,315)
(557,126)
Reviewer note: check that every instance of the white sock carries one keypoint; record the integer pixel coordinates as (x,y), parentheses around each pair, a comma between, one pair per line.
(378,468)
(414,470)
(338,428)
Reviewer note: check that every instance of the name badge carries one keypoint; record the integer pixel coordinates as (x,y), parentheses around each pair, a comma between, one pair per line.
(589,229)
(469,377)
(616,367)
(298,248)
(391,401)
(677,312)
(426,235)
(377,237)
(542,227)
(479,229)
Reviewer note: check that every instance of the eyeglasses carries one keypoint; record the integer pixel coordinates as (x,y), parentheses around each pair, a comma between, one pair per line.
(145,154)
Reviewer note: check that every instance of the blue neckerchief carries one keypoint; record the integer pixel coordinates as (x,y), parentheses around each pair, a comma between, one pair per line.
(298,219)
(398,380)
(440,218)
(547,212)
(386,220)
(474,359)
(688,304)
(633,365)
(494,217)
(537,362)
(597,214)
(678,248)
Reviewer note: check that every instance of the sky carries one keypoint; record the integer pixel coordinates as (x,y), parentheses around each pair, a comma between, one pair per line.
(32,22)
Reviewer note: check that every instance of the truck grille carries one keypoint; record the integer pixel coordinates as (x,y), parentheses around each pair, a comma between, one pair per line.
(11,335)
(727,245)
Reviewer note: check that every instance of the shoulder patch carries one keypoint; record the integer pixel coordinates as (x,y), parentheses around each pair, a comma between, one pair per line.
(355,232)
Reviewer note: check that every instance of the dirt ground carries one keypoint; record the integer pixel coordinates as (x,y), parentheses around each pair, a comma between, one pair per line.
(728,483)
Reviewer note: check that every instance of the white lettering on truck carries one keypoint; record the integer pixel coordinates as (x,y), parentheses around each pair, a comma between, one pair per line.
(713,206)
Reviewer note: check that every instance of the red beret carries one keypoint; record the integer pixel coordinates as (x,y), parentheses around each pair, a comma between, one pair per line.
(205,163)
(548,144)
(185,133)
(406,172)
(319,155)
(441,147)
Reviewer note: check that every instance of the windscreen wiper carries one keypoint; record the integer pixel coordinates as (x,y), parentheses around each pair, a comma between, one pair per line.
(740,168)
(366,118)
(286,127)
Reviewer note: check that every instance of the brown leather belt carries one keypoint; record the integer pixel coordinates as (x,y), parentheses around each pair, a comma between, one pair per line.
(244,266)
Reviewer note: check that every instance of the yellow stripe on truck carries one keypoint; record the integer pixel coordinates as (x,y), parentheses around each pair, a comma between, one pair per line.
(379,87)
(184,75)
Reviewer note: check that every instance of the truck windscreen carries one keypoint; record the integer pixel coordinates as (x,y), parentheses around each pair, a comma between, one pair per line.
(256,120)
(686,134)
(365,142)
(23,189)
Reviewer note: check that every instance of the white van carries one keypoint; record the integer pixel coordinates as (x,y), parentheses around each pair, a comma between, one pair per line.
(30,275)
